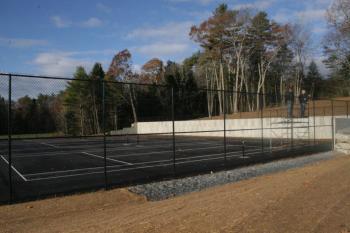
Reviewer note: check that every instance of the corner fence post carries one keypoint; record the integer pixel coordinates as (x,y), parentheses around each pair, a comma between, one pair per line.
(225,152)
(104,134)
(9,131)
(173,128)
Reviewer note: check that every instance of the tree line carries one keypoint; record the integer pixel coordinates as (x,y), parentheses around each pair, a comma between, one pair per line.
(247,62)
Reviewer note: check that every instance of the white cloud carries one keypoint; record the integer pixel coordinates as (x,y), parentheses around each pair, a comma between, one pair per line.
(60,22)
(311,15)
(102,7)
(21,43)
(59,63)
(137,68)
(312,4)
(322,68)
(282,16)
(168,41)
(201,15)
(319,30)
(34,86)
(259,4)
(174,31)
(92,52)
(201,2)
(161,49)
(92,23)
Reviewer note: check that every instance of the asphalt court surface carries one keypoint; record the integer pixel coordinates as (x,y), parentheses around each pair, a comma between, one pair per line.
(33,159)
(41,166)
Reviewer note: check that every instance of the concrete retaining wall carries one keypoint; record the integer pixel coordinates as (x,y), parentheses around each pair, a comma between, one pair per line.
(342,135)
(251,128)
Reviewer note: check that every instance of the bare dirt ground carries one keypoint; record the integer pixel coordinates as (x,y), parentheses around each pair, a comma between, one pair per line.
(315,198)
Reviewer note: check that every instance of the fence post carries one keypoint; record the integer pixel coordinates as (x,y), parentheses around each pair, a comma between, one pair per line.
(173,128)
(308,123)
(225,155)
(262,121)
(347,109)
(314,113)
(292,129)
(270,131)
(333,138)
(9,131)
(243,149)
(104,133)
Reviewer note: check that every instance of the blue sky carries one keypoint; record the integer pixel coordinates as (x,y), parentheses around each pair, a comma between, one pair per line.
(53,37)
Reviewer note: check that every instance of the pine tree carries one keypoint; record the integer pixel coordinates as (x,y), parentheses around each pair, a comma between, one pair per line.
(96,76)
(76,102)
(312,82)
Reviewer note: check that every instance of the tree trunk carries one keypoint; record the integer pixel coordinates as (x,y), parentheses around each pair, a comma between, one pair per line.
(218,84)
(209,94)
(222,92)
(132,104)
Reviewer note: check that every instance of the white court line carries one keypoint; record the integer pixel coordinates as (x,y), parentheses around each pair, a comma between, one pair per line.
(161,152)
(182,150)
(170,162)
(92,173)
(64,176)
(72,170)
(154,146)
(18,173)
(42,143)
(110,149)
(136,168)
(149,162)
(48,144)
(229,155)
(57,153)
(101,157)
(186,158)
(76,170)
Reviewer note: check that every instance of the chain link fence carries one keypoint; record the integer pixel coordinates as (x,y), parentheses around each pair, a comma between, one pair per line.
(61,135)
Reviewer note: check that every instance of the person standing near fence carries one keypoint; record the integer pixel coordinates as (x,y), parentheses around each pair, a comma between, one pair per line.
(303,99)
(290,101)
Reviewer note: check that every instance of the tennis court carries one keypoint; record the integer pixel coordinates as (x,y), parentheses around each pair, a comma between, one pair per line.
(59,165)
(91,135)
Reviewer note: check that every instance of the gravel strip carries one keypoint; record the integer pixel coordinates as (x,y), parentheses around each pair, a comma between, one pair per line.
(166,189)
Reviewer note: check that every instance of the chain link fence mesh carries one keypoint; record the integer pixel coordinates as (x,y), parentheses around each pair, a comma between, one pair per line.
(86,133)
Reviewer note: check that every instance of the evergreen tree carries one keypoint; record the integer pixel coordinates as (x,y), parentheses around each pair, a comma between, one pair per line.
(95,98)
(312,82)
(76,102)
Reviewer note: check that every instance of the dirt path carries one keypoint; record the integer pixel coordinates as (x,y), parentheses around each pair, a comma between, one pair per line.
(310,199)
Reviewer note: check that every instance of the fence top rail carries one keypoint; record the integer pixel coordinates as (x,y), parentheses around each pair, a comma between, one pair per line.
(75,79)
(123,83)
(147,84)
